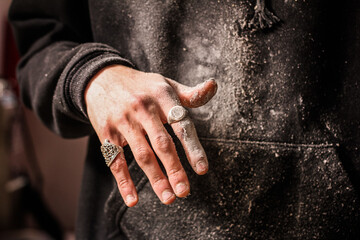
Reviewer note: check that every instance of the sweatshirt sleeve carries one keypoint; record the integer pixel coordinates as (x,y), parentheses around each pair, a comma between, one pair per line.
(58,59)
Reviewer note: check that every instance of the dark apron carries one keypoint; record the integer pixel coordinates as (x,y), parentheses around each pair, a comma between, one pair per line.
(282,132)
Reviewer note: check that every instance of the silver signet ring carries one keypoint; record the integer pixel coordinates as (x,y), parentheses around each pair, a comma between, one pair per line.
(176,114)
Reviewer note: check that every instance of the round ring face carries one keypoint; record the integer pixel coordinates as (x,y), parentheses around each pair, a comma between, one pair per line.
(176,114)
(110,151)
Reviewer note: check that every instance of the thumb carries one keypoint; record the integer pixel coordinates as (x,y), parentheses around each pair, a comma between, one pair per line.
(197,96)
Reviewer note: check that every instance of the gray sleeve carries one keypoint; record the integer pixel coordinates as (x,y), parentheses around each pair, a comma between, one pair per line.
(58,60)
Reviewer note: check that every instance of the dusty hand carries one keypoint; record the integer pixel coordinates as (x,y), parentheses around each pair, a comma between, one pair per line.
(124,105)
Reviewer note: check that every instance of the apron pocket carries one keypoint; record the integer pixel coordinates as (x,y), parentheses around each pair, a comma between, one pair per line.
(256,190)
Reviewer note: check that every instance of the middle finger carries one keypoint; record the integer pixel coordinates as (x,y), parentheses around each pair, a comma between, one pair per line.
(166,151)
(146,160)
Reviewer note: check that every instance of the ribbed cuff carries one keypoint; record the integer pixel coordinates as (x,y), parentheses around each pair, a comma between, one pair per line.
(84,67)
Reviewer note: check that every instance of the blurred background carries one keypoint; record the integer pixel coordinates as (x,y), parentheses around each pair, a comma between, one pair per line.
(40,173)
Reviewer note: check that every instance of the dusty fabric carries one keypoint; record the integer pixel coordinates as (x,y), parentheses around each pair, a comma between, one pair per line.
(282,134)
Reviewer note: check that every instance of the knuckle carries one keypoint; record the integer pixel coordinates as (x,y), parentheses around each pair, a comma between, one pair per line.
(143,156)
(106,129)
(123,183)
(164,86)
(163,143)
(118,165)
(123,118)
(164,89)
(180,132)
(175,172)
(160,86)
(139,102)
(157,181)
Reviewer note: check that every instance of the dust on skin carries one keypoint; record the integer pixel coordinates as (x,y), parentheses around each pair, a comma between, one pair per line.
(199,95)
(193,147)
(202,96)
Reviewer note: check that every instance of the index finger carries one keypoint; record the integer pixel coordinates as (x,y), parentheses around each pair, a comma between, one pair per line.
(186,133)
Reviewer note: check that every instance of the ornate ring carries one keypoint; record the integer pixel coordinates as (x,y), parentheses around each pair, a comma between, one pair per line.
(110,151)
(176,114)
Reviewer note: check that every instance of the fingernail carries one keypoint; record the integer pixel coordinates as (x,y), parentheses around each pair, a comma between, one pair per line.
(181,187)
(166,195)
(130,199)
(201,166)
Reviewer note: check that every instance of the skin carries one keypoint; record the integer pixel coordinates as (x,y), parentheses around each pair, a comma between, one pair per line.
(124,105)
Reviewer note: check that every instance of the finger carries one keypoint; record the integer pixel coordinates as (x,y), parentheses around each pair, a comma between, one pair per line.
(186,133)
(145,158)
(120,170)
(125,184)
(165,149)
(194,96)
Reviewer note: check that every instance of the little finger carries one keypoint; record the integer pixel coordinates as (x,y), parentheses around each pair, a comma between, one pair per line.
(120,172)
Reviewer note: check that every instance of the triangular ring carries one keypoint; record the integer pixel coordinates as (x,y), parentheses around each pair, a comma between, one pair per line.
(110,151)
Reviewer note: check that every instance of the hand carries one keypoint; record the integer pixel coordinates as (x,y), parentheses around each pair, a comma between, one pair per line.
(124,105)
